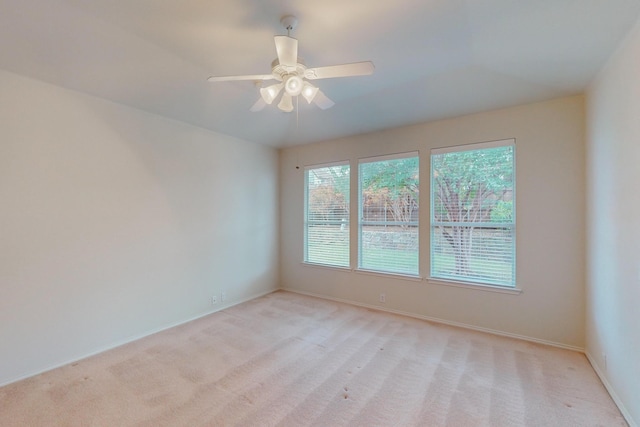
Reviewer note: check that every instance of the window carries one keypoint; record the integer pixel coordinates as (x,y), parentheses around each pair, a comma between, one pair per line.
(473,213)
(388,228)
(326,227)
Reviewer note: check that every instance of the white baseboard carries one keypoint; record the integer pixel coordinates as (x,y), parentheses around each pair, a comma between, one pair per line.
(611,390)
(442,321)
(134,338)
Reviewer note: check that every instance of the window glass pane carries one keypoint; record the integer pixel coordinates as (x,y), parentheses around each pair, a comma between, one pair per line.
(473,215)
(389,202)
(327,216)
(488,257)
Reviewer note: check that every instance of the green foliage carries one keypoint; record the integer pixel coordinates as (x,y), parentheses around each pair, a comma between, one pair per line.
(502,211)
(341,179)
(398,177)
(469,187)
(328,193)
(392,185)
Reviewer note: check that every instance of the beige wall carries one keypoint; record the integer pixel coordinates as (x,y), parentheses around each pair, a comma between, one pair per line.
(550,223)
(116,223)
(613,196)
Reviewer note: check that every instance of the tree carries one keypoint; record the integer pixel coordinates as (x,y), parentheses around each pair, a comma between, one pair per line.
(329,193)
(392,184)
(471,187)
(341,183)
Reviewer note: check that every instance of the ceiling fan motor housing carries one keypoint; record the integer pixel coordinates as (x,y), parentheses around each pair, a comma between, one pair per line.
(281,71)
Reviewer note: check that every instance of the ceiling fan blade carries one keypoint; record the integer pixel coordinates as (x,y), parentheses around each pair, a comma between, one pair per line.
(248,77)
(287,49)
(345,70)
(322,101)
(258,106)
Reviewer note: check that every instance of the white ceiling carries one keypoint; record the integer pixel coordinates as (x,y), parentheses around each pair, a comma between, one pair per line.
(434,58)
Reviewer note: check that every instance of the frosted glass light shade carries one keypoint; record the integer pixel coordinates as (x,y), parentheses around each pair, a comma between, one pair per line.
(270,93)
(309,92)
(293,85)
(286,104)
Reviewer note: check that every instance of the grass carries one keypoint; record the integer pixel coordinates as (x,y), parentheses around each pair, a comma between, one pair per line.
(380,259)
(404,261)
(483,270)
(393,260)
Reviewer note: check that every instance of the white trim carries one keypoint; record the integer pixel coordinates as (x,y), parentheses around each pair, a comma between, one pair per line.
(476,286)
(135,338)
(363,271)
(475,146)
(360,215)
(327,165)
(442,321)
(611,390)
(414,278)
(394,156)
(346,269)
(305,212)
(510,225)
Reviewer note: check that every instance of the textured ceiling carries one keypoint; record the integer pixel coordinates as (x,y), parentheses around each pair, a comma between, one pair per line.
(434,58)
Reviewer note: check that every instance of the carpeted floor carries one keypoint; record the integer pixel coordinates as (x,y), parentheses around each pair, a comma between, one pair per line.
(292,360)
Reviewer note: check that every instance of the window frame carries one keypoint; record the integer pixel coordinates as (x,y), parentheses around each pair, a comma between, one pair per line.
(306,221)
(475,283)
(360,221)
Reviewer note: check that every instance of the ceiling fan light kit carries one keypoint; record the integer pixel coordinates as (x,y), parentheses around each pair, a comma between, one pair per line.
(270,93)
(309,92)
(293,85)
(293,74)
(286,103)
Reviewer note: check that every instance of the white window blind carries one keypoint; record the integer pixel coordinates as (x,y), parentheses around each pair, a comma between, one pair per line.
(327,215)
(388,226)
(473,213)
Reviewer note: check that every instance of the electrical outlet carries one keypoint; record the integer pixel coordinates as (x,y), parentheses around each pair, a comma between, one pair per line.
(223,296)
(383,297)
(214,300)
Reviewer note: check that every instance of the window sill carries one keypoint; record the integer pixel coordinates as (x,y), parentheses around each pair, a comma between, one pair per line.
(325,266)
(476,286)
(385,274)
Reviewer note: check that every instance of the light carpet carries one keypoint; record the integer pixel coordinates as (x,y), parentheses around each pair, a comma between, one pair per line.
(292,360)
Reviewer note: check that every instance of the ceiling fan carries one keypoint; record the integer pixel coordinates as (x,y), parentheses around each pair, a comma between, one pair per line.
(293,76)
